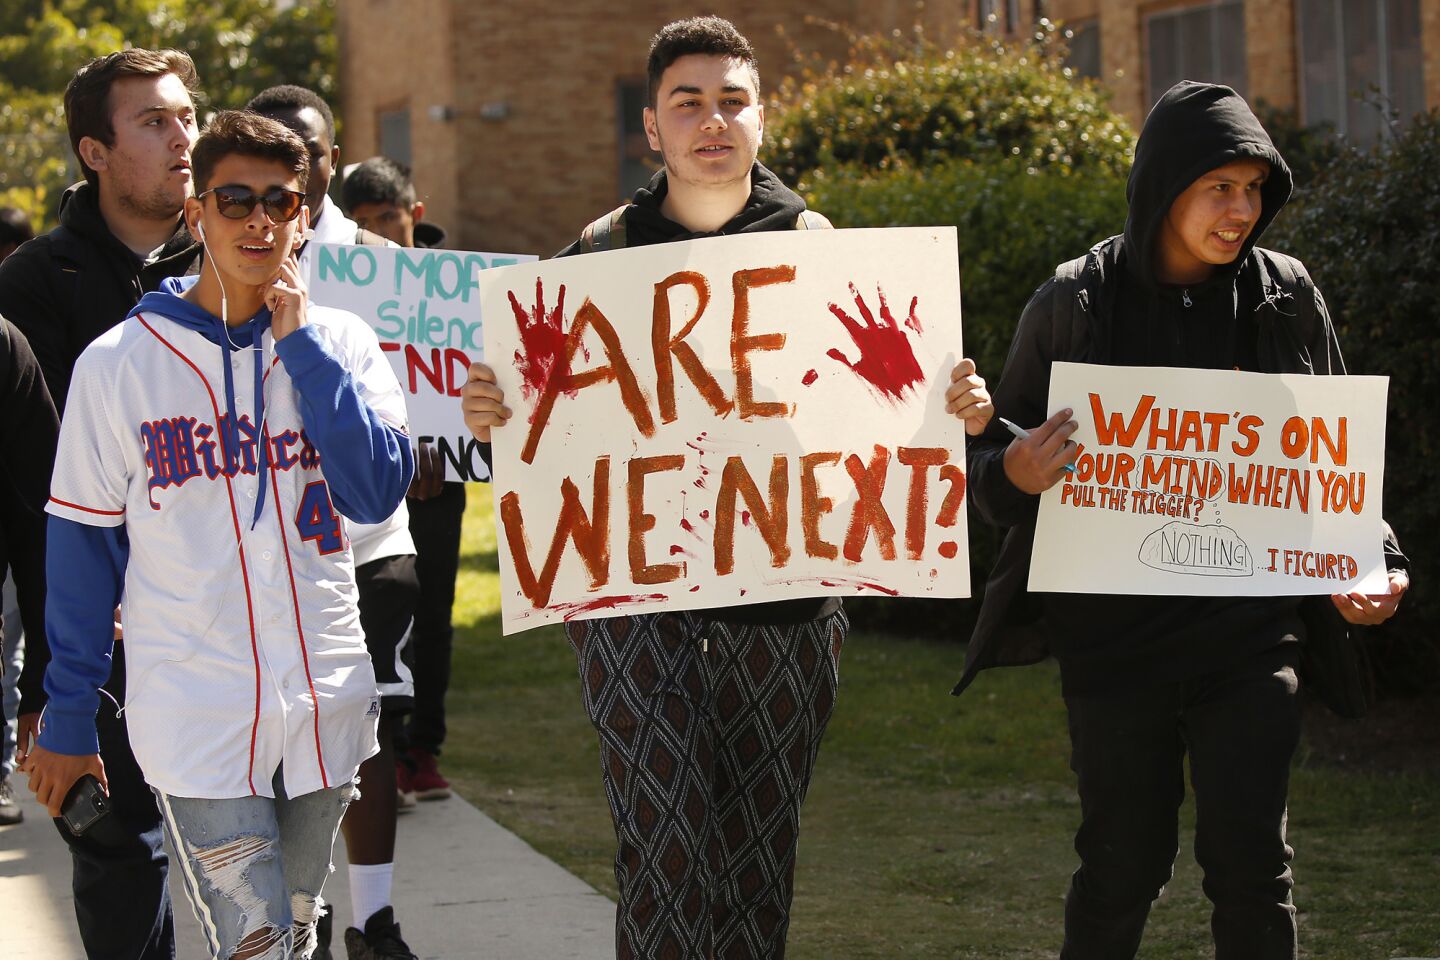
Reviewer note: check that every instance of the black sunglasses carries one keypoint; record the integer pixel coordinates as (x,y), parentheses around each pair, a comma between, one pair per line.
(237,203)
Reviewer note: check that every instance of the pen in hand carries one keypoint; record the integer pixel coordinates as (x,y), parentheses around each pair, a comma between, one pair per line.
(1021,433)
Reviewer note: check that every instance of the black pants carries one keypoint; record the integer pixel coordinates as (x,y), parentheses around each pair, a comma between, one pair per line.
(435,527)
(122,906)
(1240,727)
(706,756)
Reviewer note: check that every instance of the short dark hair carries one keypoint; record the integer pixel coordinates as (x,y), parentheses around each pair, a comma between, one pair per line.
(286,97)
(712,36)
(15,226)
(378,180)
(248,134)
(87,95)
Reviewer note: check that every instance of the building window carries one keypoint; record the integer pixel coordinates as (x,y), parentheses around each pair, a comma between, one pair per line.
(1353,54)
(1200,42)
(638,162)
(1083,38)
(394,127)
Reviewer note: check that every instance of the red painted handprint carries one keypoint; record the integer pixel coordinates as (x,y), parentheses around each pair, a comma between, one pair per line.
(887,361)
(542,337)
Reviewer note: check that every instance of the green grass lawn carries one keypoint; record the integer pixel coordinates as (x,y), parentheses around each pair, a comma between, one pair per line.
(935,827)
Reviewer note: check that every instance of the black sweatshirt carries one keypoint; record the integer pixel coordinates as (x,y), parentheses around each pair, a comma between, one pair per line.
(1105,641)
(28,433)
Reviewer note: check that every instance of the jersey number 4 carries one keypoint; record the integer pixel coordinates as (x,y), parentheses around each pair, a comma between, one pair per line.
(317,520)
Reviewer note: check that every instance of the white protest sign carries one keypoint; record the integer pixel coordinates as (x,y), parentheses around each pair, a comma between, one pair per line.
(424,306)
(1215,483)
(728,421)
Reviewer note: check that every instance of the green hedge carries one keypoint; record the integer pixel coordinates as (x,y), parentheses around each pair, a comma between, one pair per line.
(1368,229)
(913,103)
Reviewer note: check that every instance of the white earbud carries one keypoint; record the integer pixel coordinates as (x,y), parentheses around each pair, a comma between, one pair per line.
(200,230)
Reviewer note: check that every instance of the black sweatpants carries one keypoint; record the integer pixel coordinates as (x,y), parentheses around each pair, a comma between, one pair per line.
(122,905)
(1239,727)
(706,756)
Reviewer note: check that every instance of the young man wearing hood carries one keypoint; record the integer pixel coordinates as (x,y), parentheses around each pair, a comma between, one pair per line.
(1150,680)
(704,784)
(130,117)
(211,445)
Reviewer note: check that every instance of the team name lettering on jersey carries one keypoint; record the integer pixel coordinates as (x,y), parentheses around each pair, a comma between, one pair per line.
(178,449)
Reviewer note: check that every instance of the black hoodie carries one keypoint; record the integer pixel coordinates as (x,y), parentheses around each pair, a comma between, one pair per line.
(65,288)
(771,206)
(62,290)
(1109,641)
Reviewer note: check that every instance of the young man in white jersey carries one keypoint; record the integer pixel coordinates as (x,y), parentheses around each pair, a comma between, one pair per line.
(211,444)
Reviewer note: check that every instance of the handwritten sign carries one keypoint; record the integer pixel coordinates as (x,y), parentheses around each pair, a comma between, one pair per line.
(727,421)
(424,306)
(1215,483)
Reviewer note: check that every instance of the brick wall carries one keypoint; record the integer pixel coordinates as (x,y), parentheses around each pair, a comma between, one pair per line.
(530,180)
(397,54)
(1270,54)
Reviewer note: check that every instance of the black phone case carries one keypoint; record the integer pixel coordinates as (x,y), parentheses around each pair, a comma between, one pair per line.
(84,805)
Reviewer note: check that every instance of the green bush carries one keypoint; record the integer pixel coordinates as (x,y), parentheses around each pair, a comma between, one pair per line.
(914,103)
(1368,229)
(1028,163)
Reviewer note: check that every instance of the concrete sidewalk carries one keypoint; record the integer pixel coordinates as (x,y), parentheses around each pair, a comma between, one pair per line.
(465,887)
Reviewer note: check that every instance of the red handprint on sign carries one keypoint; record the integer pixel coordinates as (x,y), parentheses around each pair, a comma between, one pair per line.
(542,337)
(887,361)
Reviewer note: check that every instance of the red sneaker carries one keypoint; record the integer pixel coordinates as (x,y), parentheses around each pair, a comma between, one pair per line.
(404,786)
(426,779)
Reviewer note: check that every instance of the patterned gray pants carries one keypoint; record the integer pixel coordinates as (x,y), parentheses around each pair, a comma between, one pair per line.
(706,757)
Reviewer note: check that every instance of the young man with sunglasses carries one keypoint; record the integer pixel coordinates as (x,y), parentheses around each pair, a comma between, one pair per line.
(131,121)
(385,573)
(211,445)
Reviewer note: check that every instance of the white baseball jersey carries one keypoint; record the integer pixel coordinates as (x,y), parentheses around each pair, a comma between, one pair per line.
(243,646)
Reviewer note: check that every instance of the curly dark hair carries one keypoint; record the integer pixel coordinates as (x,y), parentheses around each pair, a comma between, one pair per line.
(713,36)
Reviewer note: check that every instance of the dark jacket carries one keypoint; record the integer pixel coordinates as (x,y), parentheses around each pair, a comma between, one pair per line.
(771,206)
(28,432)
(1276,316)
(62,290)
(65,288)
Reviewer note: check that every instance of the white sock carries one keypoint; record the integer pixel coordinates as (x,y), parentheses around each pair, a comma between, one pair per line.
(369,890)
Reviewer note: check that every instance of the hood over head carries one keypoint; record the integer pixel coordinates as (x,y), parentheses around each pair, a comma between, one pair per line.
(1195,128)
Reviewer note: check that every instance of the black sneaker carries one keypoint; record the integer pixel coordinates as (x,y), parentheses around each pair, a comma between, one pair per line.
(322,934)
(380,941)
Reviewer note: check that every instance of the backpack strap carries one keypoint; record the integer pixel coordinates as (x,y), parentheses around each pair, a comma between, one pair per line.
(605,233)
(367,238)
(812,220)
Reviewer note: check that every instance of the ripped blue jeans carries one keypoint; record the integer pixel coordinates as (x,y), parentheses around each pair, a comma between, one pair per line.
(254,866)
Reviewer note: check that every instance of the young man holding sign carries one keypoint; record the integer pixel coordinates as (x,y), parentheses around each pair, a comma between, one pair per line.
(1149,680)
(709,720)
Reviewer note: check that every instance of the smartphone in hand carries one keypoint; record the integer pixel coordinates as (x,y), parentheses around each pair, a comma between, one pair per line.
(85,805)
